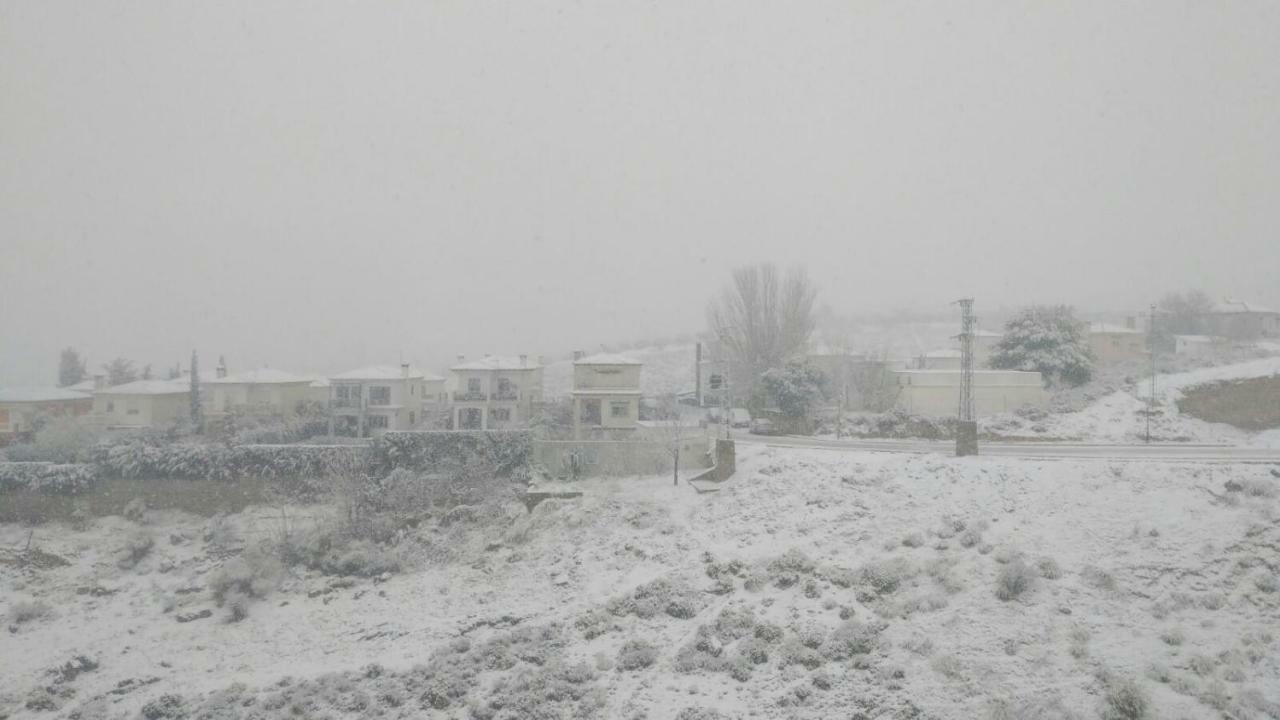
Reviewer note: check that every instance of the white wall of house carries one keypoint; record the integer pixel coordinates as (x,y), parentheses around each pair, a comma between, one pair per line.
(141,410)
(937,392)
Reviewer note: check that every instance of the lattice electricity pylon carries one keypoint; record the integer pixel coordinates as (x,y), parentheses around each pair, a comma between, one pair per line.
(967,322)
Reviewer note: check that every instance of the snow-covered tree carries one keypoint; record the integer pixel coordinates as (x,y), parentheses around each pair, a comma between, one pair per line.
(120,371)
(794,389)
(1184,313)
(1048,339)
(71,368)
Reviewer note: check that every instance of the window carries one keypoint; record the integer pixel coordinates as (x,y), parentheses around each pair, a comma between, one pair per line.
(413,419)
(501,414)
(716,380)
(376,422)
(347,395)
(473,385)
(131,407)
(379,395)
(619,409)
(413,389)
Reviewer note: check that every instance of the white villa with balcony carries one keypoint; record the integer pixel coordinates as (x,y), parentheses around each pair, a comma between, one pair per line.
(606,395)
(372,400)
(495,392)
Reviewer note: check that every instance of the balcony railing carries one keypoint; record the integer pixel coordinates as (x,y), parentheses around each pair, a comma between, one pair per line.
(509,396)
(470,397)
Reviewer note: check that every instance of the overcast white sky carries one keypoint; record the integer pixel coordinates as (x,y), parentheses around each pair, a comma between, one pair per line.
(319,185)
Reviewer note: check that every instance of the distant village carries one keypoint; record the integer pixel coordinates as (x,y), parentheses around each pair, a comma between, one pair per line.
(605,398)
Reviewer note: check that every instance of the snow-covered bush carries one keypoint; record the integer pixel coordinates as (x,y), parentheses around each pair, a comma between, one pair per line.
(1049,340)
(506,452)
(47,478)
(136,547)
(24,611)
(636,654)
(1125,699)
(252,575)
(1015,578)
(661,596)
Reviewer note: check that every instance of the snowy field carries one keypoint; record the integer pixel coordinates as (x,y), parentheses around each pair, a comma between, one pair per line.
(829,584)
(1119,416)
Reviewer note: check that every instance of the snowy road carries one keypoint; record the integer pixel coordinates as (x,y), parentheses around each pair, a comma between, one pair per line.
(1160,451)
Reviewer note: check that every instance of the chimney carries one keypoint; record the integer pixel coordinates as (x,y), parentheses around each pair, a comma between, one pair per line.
(462,358)
(542,360)
(1131,322)
(524,361)
(99,382)
(577,355)
(221,370)
(404,370)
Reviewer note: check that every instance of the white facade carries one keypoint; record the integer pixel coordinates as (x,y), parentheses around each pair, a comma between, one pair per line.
(143,404)
(606,394)
(373,400)
(936,393)
(258,392)
(495,392)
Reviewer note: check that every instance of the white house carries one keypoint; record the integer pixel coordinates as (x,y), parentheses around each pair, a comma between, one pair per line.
(260,392)
(143,404)
(606,394)
(21,408)
(495,392)
(371,400)
(1240,320)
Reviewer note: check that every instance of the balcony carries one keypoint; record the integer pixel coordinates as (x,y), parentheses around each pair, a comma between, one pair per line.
(507,396)
(470,397)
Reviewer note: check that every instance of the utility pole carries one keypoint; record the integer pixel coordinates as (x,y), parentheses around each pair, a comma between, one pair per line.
(967,427)
(1151,342)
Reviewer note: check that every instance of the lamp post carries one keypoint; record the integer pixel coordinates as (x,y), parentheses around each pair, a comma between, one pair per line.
(1151,342)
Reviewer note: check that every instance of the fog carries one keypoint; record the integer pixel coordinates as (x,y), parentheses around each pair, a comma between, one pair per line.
(316,186)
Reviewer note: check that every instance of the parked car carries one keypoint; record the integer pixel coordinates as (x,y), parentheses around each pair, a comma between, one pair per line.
(715,415)
(740,418)
(763,426)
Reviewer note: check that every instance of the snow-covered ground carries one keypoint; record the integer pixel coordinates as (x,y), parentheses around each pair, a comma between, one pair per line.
(1119,417)
(1150,571)
(667,369)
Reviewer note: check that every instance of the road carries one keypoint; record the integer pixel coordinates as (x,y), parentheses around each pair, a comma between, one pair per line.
(1156,451)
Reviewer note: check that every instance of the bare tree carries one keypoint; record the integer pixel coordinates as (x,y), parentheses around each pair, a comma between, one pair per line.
(764,318)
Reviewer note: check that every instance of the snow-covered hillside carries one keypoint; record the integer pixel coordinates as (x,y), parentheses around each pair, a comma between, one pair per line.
(815,584)
(1120,416)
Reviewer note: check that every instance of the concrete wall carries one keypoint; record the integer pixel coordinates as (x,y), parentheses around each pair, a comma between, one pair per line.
(937,392)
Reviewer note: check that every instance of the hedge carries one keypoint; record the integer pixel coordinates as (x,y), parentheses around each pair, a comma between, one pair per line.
(509,451)
(47,478)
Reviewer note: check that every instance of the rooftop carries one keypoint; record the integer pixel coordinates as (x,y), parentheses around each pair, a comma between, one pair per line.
(1230,306)
(149,387)
(261,376)
(384,372)
(607,359)
(1102,328)
(496,362)
(39,394)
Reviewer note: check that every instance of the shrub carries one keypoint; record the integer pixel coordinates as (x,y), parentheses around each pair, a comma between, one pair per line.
(852,638)
(970,537)
(136,548)
(47,478)
(732,623)
(636,654)
(135,510)
(25,611)
(786,569)
(1098,578)
(914,540)
(1173,636)
(1268,583)
(596,623)
(250,576)
(1125,699)
(1048,568)
(885,576)
(948,666)
(658,596)
(1014,579)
